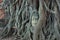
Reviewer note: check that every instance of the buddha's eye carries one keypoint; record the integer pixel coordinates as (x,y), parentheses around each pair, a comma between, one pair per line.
(36,18)
(33,18)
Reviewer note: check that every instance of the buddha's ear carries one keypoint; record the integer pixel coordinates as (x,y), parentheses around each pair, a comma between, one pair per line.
(1,1)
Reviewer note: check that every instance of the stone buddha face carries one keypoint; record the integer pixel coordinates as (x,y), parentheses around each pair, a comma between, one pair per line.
(35,18)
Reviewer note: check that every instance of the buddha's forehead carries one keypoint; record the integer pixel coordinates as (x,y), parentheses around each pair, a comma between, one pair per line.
(34,16)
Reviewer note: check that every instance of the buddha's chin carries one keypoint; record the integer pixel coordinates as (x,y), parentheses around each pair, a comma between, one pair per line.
(34,25)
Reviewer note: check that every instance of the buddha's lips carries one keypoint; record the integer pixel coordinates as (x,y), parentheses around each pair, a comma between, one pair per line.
(1,1)
(2,14)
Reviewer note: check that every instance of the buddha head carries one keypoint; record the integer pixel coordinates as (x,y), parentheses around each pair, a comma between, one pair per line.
(35,17)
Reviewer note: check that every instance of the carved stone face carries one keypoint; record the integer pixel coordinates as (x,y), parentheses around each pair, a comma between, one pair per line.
(34,20)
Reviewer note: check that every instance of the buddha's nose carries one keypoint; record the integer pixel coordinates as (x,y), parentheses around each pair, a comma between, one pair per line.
(1,1)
